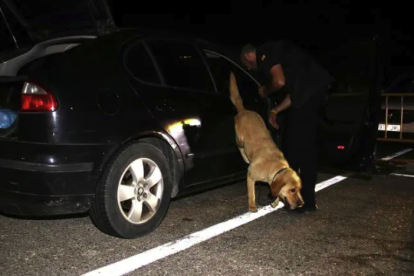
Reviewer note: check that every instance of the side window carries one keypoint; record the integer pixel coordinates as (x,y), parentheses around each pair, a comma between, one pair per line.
(181,65)
(139,64)
(220,69)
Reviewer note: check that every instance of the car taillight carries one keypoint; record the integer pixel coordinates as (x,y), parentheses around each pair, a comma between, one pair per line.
(35,98)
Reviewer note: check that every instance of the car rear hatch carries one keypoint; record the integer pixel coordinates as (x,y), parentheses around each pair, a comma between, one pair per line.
(10,97)
(24,23)
(35,21)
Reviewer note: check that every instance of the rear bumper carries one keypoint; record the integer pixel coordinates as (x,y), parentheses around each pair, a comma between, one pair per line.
(32,189)
(40,180)
(52,168)
(21,204)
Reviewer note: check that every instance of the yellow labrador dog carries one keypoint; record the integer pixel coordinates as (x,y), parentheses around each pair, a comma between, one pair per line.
(266,162)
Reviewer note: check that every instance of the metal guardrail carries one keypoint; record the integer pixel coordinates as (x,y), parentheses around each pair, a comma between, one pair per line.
(400,139)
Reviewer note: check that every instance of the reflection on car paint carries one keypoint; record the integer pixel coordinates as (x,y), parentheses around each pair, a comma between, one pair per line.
(177,128)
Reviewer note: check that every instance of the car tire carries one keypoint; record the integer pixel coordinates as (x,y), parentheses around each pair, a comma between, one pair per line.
(127,203)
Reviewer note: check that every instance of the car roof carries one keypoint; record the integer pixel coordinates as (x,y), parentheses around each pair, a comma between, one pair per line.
(123,34)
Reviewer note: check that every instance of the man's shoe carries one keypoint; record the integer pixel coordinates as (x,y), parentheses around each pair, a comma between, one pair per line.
(307,209)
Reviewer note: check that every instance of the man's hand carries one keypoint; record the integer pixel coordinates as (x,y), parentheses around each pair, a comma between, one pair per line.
(262,91)
(272,119)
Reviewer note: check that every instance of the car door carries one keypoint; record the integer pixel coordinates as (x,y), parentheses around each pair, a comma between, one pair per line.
(220,66)
(349,123)
(201,121)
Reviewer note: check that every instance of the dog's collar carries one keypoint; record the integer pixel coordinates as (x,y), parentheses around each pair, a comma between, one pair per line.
(279,172)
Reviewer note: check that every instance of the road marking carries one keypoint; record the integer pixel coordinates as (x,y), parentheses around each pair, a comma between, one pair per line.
(132,263)
(396,154)
(147,257)
(329,182)
(404,175)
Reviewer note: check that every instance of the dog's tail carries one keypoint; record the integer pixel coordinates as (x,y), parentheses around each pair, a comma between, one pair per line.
(234,94)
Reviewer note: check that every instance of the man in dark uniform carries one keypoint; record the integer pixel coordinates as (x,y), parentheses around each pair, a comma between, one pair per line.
(291,72)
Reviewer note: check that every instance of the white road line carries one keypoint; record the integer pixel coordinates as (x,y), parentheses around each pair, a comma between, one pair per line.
(404,175)
(132,263)
(142,259)
(396,154)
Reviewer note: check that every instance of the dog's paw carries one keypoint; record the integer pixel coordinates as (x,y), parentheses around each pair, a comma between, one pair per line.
(253,209)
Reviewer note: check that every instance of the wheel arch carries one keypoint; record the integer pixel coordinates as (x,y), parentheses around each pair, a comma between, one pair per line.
(165,143)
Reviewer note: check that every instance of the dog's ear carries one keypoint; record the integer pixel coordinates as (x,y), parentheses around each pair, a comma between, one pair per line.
(277,185)
(281,180)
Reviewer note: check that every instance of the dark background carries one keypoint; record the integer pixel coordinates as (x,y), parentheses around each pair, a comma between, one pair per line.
(321,28)
(261,20)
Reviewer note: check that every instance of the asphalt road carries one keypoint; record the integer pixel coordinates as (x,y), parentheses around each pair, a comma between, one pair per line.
(365,226)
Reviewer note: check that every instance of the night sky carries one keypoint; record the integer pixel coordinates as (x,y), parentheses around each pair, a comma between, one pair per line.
(323,26)
(259,21)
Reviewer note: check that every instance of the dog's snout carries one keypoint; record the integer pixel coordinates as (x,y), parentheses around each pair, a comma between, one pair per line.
(300,203)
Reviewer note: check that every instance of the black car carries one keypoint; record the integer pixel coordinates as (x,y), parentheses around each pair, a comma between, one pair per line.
(117,122)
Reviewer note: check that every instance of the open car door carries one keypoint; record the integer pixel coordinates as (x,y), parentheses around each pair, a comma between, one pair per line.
(349,123)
